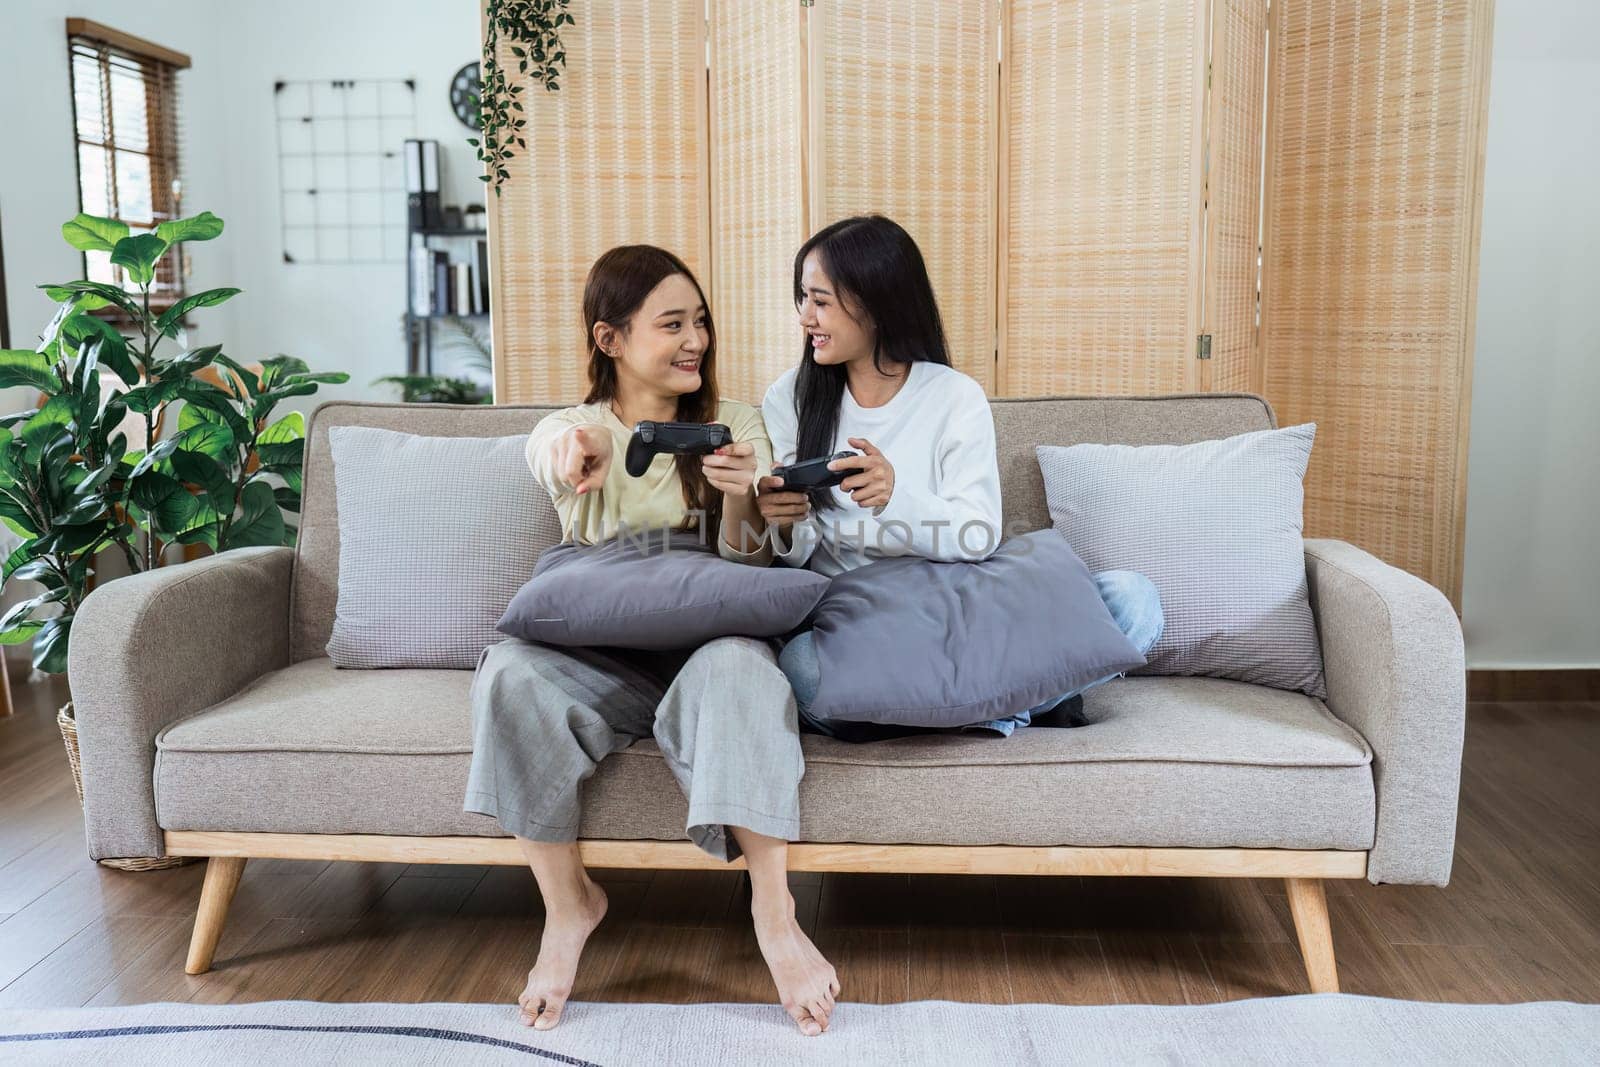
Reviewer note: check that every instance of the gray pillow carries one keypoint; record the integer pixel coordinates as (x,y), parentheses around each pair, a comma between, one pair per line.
(435,536)
(917,642)
(646,591)
(1217,527)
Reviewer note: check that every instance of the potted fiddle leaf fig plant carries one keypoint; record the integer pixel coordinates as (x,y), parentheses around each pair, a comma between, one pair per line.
(72,484)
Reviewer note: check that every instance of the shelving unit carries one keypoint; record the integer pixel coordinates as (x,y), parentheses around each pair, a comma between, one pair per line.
(419,328)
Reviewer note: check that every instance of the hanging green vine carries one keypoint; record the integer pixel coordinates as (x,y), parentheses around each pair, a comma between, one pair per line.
(533,30)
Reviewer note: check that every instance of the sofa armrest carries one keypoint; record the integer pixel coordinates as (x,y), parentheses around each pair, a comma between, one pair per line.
(153,648)
(1396,672)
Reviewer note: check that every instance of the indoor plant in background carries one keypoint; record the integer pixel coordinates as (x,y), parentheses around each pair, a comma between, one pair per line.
(445,389)
(71,486)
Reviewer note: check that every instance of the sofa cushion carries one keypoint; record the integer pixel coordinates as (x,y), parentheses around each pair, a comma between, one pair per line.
(1216,525)
(1161,762)
(920,642)
(436,535)
(644,590)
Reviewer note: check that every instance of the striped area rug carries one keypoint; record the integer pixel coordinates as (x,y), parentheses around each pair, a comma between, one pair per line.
(1314,1028)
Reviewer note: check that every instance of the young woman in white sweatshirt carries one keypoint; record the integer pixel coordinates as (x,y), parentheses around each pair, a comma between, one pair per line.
(875,378)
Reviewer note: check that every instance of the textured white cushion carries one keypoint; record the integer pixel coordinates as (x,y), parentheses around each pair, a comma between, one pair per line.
(436,535)
(1217,527)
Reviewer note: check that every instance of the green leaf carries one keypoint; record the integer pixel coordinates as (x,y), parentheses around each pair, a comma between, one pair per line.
(280,366)
(292,427)
(292,477)
(151,395)
(50,645)
(209,475)
(152,487)
(91,233)
(161,451)
(201,227)
(252,384)
(23,608)
(175,512)
(220,403)
(211,439)
(41,571)
(19,632)
(82,510)
(260,521)
(47,425)
(109,293)
(68,540)
(138,255)
(18,366)
(190,360)
(16,517)
(167,324)
(19,556)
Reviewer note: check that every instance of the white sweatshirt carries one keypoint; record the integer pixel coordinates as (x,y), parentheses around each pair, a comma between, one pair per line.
(938,434)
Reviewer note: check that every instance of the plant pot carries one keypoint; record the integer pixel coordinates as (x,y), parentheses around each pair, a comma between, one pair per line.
(69,735)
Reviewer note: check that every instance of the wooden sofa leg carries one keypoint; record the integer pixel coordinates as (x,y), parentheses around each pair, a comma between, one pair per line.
(222,878)
(1309,906)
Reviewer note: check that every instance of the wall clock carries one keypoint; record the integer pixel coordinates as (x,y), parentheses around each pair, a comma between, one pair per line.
(464,89)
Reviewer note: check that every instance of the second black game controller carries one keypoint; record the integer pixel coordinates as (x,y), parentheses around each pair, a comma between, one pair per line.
(813,473)
(677,438)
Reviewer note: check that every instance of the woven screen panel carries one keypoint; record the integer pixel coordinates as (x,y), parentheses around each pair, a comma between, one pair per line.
(1102,249)
(1374,179)
(1233,193)
(757,191)
(616,156)
(903,113)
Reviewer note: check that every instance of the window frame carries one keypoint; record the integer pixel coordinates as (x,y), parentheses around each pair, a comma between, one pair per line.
(158,70)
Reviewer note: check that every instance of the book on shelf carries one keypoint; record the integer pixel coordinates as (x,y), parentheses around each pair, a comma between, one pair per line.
(441,286)
(481,259)
(441,283)
(421,280)
(461,289)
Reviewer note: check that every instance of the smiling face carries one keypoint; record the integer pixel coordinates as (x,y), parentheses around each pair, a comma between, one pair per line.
(664,347)
(837,336)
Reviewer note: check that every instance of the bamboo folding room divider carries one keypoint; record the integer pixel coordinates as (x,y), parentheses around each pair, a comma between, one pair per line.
(1113,197)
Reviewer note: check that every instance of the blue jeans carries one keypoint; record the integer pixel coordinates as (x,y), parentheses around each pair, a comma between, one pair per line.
(1130,596)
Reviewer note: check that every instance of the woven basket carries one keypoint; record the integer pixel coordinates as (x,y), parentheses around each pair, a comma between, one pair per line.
(69,734)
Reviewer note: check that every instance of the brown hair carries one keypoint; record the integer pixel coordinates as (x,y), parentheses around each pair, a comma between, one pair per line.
(617,286)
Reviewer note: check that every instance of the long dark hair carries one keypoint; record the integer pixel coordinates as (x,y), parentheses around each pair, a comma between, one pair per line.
(876,264)
(617,286)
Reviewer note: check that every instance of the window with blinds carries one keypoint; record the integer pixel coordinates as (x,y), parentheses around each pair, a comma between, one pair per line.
(125,111)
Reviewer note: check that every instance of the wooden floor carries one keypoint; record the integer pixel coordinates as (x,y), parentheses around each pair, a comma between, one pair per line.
(1520,920)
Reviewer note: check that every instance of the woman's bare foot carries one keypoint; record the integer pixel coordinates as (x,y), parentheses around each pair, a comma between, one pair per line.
(550,981)
(807,983)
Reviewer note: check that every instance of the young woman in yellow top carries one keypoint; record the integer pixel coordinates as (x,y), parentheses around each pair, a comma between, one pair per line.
(723,714)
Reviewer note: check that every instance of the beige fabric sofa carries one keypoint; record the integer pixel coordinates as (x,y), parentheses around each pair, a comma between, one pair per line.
(212,724)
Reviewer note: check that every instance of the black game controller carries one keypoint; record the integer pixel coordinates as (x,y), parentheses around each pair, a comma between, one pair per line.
(813,473)
(677,438)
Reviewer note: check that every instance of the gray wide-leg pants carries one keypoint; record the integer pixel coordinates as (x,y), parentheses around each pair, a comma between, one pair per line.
(723,715)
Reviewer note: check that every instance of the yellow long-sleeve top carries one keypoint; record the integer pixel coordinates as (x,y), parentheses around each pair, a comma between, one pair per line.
(650,502)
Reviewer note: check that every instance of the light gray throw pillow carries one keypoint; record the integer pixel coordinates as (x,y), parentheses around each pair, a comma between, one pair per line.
(1217,526)
(915,642)
(436,534)
(648,591)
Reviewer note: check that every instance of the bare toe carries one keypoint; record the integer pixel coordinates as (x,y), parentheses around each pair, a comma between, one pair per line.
(550,1015)
(803,1020)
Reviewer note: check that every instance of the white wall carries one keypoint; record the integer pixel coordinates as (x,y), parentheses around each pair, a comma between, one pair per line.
(1531,596)
(334,316)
